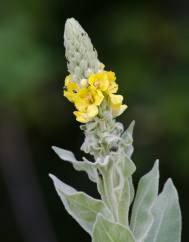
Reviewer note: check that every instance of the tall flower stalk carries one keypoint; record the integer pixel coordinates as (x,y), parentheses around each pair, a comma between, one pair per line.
(93,91)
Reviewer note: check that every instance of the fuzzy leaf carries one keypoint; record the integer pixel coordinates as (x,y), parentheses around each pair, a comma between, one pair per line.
(132,189)
(127,139)
(85,165)
(166,226)
(80,206)
(127,143)
(106,231)
(124,163)
(147,191)
(125,167)
(106,185)
(124,202)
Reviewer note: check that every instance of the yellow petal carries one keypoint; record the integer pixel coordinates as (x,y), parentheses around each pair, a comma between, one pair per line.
(113,87)
(72,89)
(111,76)
(92,111)
(116,99)
(68,79)
(92,78)
(83,92)
(81,104)
(98,98)
(69,95)
(81,117)
(116,111)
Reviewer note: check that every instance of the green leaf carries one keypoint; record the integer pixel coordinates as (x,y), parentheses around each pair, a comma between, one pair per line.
(166,226)
(106,231)
(85,165)
(141,218)
(80,206)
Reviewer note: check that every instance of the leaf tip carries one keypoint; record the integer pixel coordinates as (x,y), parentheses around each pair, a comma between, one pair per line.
(156,164)
(55,148)
(133,123)
(170,185)
(131,126)
(53,178)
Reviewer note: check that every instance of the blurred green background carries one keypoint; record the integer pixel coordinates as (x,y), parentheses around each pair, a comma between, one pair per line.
(146,44)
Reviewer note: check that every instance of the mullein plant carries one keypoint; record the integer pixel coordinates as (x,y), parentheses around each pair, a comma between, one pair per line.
(121,215)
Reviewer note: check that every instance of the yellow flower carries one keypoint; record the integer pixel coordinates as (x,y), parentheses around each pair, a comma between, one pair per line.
(113,86)
(87,101)
(104,81)
(84,117)
(89,94)
(87,97)
(71,89)
(116,105)
(99,81)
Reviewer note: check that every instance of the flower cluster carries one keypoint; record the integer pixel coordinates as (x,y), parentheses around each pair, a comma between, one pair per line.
(88,95)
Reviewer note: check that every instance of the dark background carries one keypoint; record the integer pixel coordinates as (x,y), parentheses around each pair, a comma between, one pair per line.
(146,44)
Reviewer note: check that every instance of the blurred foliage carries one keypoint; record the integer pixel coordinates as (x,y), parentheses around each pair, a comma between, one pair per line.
(145,44)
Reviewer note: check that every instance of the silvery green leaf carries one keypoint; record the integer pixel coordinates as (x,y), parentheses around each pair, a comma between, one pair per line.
(80,206)
(64,154)
(132,189)
(166,226)
(85,165)
(128,133)
(106,231)
(105,170)
(123,202)
(126,164)
(125,169)
(141,218)
(127,139)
